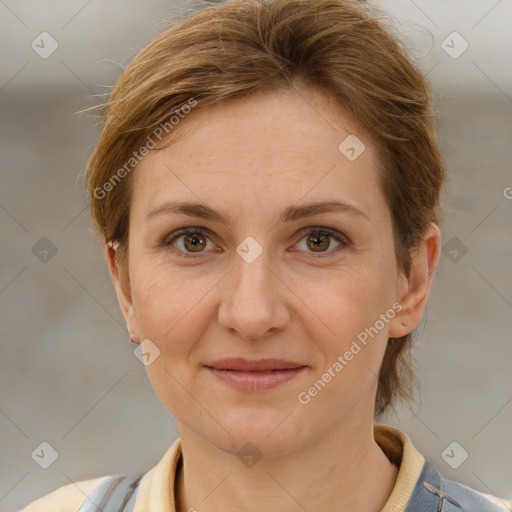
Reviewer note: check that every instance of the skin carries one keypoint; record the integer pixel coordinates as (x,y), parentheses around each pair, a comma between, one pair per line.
(252,158)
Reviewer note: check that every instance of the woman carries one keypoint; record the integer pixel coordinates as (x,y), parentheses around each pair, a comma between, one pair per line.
(266,186)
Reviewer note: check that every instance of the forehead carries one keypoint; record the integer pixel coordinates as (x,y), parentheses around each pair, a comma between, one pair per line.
(286,144)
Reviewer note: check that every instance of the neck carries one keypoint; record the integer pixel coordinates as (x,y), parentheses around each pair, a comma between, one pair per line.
(345,470)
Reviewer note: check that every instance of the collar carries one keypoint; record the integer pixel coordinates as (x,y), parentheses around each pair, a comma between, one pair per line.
(400,451)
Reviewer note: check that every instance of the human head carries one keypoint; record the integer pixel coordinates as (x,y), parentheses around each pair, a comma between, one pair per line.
(238,49)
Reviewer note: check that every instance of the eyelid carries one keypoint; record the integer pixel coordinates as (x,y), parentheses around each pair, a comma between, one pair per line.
(325,230)
(185,231)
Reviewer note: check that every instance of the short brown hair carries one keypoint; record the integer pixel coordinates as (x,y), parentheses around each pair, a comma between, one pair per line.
(238,48)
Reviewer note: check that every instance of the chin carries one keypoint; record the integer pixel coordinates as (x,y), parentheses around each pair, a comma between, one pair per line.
(255,443)
(270,436)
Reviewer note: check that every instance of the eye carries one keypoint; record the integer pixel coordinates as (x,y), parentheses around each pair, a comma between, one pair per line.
(317,241)
(193,241)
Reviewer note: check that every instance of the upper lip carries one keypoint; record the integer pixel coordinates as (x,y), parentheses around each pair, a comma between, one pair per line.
(241,364)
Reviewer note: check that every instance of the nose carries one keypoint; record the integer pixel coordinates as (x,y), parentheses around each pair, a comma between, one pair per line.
(254,303)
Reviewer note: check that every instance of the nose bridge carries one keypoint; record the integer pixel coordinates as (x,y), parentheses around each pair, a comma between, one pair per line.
(253,273)
(254,304)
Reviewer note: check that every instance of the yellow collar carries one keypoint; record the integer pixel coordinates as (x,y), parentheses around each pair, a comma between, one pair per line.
(399,449)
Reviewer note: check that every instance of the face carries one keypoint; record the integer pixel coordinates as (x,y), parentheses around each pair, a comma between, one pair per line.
(266,276)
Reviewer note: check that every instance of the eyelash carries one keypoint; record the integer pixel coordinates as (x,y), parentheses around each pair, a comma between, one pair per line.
(339,237)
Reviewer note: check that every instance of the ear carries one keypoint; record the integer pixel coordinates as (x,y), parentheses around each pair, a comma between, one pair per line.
(413,291)
(123,296)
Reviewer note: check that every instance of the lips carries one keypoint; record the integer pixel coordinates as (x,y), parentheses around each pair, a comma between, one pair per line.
(260,365)
(256,380)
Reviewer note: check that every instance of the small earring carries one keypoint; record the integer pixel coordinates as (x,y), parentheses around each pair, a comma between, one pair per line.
(135,339)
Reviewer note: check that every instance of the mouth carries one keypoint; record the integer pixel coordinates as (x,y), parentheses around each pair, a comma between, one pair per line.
(258,375)
(260,365)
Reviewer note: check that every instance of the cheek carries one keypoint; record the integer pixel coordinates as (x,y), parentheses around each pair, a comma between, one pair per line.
(347,301)
(353,348)
(171,312)
(348,324)
(171,306)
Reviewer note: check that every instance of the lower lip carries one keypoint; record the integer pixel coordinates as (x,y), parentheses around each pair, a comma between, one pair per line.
(256,381)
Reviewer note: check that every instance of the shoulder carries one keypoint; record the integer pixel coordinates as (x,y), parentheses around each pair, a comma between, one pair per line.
(434,491)
(472,500)
(68,498)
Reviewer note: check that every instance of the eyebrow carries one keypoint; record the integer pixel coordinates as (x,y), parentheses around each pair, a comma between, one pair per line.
(289,214)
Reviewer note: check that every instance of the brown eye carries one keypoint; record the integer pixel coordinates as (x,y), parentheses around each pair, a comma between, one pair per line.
(194,242)
(187,242)
(318,243)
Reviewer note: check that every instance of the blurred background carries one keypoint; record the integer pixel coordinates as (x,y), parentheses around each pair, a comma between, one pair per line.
(68,374)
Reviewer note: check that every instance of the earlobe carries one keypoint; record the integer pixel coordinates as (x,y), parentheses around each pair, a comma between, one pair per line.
(413,291)
(123,296)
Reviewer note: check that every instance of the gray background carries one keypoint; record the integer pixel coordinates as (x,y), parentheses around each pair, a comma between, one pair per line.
(68,373)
